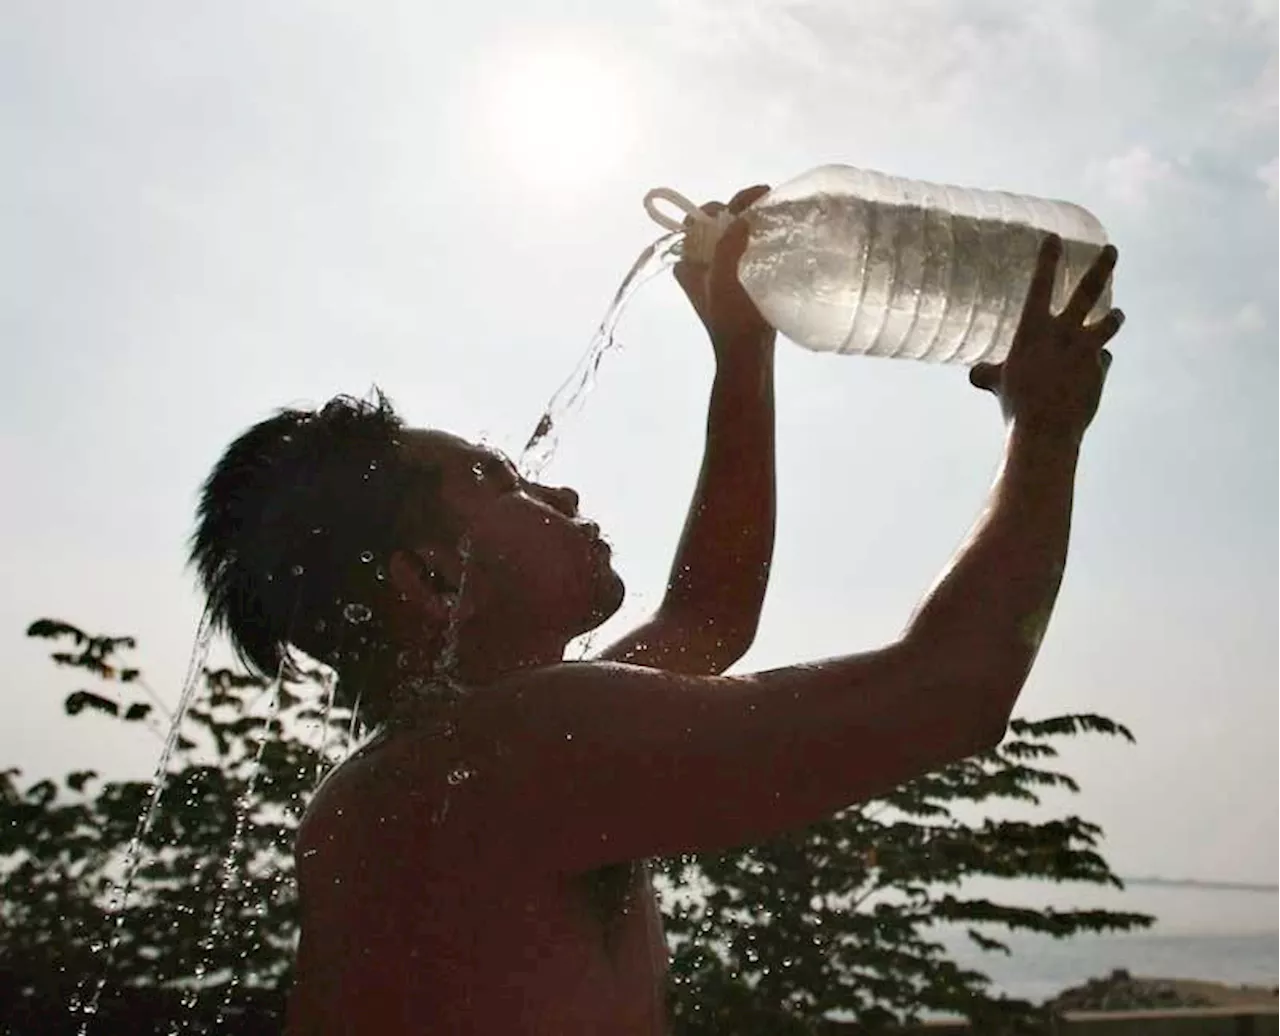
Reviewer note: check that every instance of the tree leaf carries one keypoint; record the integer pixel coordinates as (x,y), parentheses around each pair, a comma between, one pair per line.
(77,701)
(51,628)
(77,779)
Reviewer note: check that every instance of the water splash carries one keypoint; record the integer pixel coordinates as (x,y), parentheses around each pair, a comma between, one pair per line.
(133,856)
(580,649)
(542,444)
(446,668)
(459,774)
(330,684)
(357,613)
(353,731)
(230,863)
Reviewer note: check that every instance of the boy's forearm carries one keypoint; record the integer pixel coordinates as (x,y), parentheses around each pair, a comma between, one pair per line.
(721,566)
(990,609)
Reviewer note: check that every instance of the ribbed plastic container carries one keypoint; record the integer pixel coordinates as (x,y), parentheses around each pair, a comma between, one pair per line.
(844,260)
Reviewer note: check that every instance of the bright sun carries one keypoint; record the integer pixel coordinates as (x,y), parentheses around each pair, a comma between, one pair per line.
(556,113)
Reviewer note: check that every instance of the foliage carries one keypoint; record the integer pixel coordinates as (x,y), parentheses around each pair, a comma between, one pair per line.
(843,916)
(768,939)
(210,907)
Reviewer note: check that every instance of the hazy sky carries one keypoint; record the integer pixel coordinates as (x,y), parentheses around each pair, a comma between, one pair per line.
(211,210)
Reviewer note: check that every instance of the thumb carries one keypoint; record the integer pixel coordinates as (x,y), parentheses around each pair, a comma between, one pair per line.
(986,376)
(724,266)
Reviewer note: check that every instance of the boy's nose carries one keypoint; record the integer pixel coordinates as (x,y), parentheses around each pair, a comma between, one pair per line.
(564,499)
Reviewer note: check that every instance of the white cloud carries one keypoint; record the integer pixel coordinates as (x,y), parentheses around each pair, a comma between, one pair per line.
(890,59)
(1199,325)
(1269,174)
(1257,24)
(1132,177)
(1251,108)
(1248,318)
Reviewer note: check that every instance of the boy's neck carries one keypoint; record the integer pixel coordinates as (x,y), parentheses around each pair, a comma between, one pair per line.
(477,658)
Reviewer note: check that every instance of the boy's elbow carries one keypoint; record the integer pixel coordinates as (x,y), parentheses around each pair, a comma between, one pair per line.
(990,733)
(716,635)
(992,699)
(731,643)
(982,684)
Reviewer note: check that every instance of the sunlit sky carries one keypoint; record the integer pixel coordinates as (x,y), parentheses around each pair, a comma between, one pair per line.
(209,211)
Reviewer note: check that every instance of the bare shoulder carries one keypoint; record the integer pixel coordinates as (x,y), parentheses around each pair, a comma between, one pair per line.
(589,764)
(392,779)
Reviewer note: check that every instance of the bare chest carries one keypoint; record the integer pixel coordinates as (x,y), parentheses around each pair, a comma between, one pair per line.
(474,941)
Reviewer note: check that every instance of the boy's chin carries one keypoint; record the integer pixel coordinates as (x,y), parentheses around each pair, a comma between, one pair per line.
(609,597)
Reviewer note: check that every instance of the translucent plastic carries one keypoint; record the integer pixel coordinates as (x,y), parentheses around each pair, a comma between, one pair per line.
(844,260)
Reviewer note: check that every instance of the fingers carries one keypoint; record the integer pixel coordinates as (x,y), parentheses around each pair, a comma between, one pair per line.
(711,208)
(1107,328)
(747,196)
(1041,291)
(724,266)
(737,203)
(1091,287)
(986,376)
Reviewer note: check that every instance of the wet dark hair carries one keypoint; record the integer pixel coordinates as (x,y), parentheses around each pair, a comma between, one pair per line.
(295,528)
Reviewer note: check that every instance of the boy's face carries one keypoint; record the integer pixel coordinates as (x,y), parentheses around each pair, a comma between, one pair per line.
(536,560)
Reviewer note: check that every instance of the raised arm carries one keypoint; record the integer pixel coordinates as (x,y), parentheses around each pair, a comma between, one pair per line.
(708,616)
(992,606)
(624,762)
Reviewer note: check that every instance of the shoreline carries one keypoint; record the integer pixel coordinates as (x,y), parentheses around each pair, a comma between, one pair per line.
(1123,991)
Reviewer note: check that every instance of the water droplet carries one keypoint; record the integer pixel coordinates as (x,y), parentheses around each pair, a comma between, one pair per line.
(317,530)
(477,469)
(568,737)
(379,574)
(459,774)
(373,465)
(321,625)
(366,556)
(357,613)
(297,570)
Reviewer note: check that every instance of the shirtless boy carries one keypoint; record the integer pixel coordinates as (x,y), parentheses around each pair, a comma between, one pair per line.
(477,868)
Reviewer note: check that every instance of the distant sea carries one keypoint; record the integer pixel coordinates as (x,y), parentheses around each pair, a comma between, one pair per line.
(1040,967)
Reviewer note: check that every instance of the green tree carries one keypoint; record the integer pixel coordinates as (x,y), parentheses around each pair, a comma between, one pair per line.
(771,939)
(209,913)
(843,916)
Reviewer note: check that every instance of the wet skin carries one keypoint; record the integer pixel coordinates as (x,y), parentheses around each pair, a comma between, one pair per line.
(446,870)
